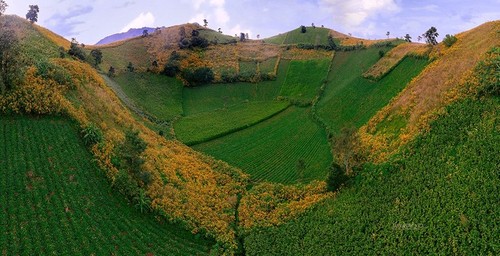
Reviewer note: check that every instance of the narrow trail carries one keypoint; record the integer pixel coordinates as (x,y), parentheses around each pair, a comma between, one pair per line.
(131,104)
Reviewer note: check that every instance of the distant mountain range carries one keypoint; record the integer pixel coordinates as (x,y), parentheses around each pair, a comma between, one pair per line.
(133,32)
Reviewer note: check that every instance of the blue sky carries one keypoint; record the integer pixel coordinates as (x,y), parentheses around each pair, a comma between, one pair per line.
(89,21)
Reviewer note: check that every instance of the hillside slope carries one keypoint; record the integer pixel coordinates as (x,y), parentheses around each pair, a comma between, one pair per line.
(131,33)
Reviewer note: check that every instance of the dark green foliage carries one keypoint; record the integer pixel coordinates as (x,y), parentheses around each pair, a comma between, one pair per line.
(172,67)
(97,56)
(51,187)
(198,76)
(449,40)
(76,51)
(111,71)
(199,42)
(430,36)
(407,38)
(381,53)
(62,52)
(439,197)
(130,67)
(196,41)
(489,74)
(303,29)
(126,185)
(331,43)
(91,135)
(48,70)
(32,14)
(3,6)
(336,178)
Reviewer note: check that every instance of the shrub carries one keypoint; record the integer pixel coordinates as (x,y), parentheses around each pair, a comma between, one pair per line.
(449,40)
(126,185)
(198,76)
(336,178)
(91,135)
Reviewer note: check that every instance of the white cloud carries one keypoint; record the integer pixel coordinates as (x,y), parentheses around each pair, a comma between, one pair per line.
(353,13)
(198,18)
(217,3)
(144,19)
(221,16)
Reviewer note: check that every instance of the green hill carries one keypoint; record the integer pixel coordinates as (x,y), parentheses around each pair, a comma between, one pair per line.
(55,200)
(314,36)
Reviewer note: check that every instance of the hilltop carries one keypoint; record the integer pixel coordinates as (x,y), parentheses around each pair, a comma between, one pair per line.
(131,33)
(303,143)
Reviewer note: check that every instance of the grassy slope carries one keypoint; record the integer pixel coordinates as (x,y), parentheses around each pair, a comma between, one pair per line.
(350,98)
(136,52)
(271,150)
(212,97)
(304,78)
(316,36)
(159,95)
(208,125)
(440,197)
(54,200)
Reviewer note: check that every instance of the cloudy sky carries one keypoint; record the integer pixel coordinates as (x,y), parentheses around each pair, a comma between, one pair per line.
(91,20)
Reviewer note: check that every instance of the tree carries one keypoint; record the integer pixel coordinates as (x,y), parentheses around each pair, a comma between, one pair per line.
(430,36)
(346,149)
(205,23)
(336,177)
(220,31)
(145,33)
(111,71)
(303,29)
(32,14)
(449,40)
(3,6)
(258,36)
(312,25)
(246,36)
(130,67)
(97,55)
(408,38)
(242,37)
(419,38)
(388,34)
(332,43)
(75,50)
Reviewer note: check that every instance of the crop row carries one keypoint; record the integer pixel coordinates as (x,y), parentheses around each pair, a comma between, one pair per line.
(54,200)
(286,148)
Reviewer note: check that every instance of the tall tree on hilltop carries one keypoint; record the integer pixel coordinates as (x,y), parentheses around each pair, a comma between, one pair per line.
(388,34)
(3,7)
(408,38)
(205,23)
(32,14)
(430,36)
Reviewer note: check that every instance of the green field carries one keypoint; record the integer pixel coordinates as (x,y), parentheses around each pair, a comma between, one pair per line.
(351,99)
(212,35)
(159,95)
(268,65)
(209,125)
(218,96)
(440,197)
(136,53)
(271,150)
(315,36)
(55,201)
(304,79)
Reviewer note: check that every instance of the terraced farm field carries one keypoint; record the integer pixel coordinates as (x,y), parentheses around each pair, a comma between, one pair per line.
(350,98)
(55,201)
(212,97)
(286,148)
(304,79)
(205,126)
(159,95)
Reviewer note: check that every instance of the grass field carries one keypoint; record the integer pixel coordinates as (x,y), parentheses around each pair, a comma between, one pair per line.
(315,36)
(271,150)
(159,95)
(136,53)
(55,201)
(304,79)
(217,96)
(205,126)
(351,99)
(440,197)
(268,65)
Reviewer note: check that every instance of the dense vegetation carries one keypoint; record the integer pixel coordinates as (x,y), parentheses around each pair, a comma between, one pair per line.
(350,98)
(209,125)
(440,196)
(55,200)
(287,148)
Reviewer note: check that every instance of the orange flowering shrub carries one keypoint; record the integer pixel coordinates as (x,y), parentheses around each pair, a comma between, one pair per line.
(269,204)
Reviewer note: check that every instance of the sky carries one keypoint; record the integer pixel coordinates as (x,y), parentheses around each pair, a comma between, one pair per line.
(91,20)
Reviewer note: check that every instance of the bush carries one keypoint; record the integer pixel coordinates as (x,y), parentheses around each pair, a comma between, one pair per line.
(126,185)
(336,178)
(449,40)
(92,135)
(198,76)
